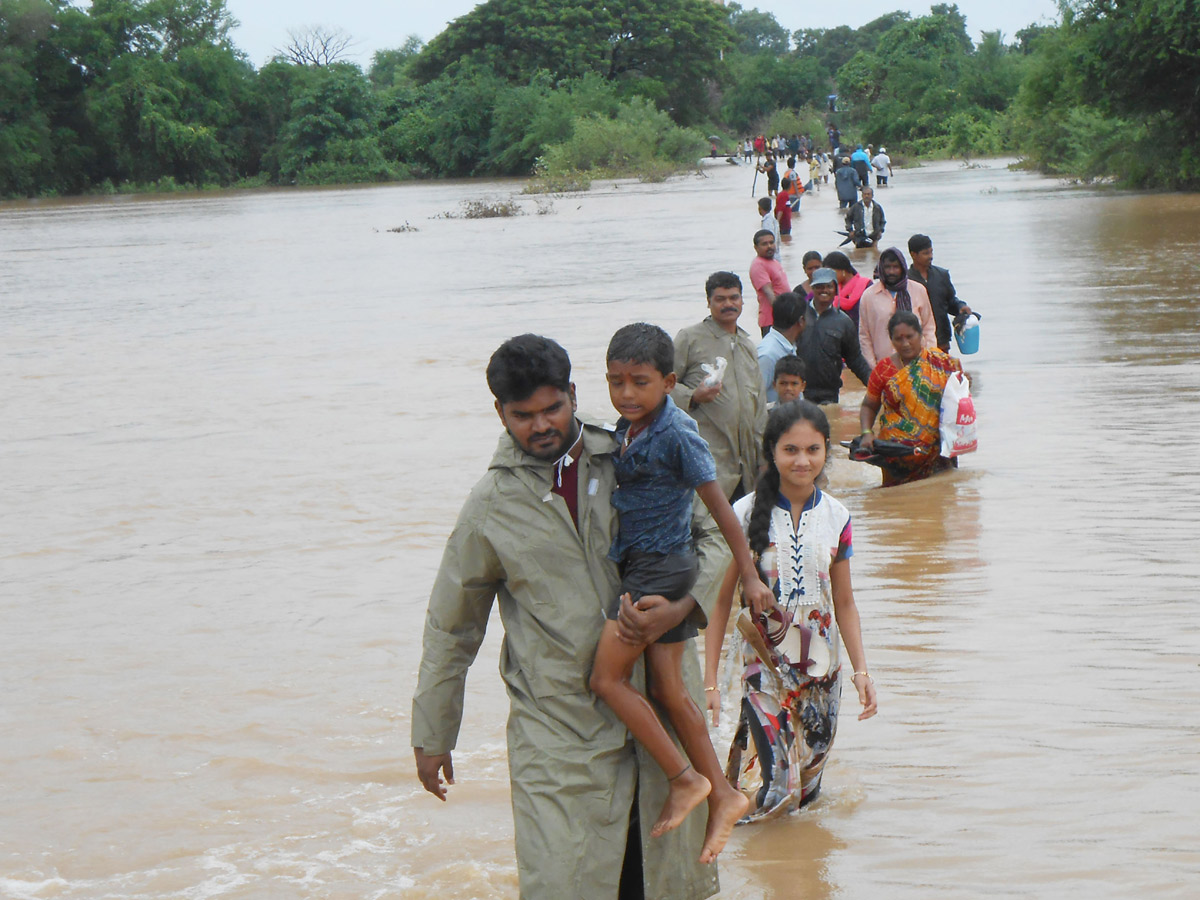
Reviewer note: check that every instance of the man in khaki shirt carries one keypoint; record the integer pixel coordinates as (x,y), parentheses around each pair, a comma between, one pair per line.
(731,415)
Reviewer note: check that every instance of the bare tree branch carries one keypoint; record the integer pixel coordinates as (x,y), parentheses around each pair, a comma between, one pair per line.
(316,45)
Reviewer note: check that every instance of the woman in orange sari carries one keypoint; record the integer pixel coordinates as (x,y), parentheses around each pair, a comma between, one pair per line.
(905,394)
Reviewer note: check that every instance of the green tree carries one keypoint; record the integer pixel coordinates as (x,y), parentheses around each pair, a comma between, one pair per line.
(388,67)
(1115,90)
(333,126)
(664,49)
(43,128)
(757,32)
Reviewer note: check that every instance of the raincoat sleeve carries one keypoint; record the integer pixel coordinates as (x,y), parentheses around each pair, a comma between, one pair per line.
(682,393)
(714,560)
(760,425)
(459,607)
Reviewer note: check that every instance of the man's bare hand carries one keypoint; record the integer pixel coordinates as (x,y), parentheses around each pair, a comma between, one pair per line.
(428,767)
(705,393)
(652,617)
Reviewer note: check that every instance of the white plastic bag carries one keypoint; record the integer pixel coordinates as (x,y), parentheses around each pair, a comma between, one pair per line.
(958,418)
(714,374)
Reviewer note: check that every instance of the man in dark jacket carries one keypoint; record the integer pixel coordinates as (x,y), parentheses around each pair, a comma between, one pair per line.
(937,283)
(829,341)
(847,182)
(865,220)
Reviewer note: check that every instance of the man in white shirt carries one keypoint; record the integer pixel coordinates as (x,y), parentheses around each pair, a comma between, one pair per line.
(865,221)
(882,164)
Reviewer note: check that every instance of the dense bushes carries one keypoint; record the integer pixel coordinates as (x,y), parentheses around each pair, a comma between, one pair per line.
(153,93)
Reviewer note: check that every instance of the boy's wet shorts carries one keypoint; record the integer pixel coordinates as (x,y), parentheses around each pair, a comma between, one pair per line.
(670,575)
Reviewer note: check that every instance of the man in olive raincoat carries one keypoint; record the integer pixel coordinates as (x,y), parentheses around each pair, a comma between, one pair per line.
(731,415)
(534,534)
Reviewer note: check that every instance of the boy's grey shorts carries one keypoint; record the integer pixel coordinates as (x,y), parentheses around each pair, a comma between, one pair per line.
(670,575)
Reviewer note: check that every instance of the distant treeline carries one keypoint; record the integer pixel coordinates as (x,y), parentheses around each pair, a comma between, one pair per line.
(152,94)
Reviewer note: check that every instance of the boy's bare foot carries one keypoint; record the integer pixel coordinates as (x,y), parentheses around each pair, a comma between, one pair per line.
(723,814)
(688,790)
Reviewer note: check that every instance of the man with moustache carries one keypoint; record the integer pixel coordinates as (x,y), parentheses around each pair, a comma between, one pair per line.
(732,413)
(534,535)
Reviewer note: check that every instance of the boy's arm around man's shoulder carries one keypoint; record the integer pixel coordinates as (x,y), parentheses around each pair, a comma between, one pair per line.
(459,606)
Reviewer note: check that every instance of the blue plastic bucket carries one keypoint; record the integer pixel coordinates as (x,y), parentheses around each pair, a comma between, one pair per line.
(967,336)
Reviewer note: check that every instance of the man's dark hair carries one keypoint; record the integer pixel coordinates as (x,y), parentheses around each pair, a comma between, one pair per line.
(787,310)
(764,204)
(760,233)
(523,364)
(836,259)
(917,243)
(722,280)
(789,365)
(643,343)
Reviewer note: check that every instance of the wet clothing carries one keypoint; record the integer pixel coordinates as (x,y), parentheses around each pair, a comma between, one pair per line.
(846,181)
(865,231)
(874,310)
(828,341)
(764,272)
(862,165)
(657,477)
(849,294)
(943,299)
(733,421)
(890,294)
(771,349)
(910,402)
(792,720)
(669,575)
(575,771)
(783,211)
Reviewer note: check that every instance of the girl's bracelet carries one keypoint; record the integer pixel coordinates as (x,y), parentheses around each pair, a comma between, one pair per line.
(864,672)
(709,689)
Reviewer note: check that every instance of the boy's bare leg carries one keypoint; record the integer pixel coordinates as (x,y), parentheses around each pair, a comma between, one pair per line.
(610,682)
(726,804)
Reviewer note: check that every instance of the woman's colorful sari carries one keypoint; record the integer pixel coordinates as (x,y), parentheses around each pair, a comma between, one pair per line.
(910,398)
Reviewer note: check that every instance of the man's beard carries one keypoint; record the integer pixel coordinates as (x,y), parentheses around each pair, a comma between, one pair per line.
(563,445)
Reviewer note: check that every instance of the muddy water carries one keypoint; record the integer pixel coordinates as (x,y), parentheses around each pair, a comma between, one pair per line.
(237,429)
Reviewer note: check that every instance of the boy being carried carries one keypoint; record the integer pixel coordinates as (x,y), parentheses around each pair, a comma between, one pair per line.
(661,463)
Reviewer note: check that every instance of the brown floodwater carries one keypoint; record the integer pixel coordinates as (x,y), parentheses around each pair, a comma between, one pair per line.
(237,429)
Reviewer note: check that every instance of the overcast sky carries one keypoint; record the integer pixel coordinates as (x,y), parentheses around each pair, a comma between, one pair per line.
(381,24)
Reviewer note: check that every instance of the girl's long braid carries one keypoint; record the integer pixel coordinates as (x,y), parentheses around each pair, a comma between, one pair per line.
(766,494)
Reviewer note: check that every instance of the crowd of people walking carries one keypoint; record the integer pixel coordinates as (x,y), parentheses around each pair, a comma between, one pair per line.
(604,566)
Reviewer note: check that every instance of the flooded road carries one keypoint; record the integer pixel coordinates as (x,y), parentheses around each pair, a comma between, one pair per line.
(238,428)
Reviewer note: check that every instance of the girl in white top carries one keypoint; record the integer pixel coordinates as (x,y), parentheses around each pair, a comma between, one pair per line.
(792,672)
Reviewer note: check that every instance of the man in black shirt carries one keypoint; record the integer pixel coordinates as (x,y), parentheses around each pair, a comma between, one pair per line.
(829,339)
(937,283)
